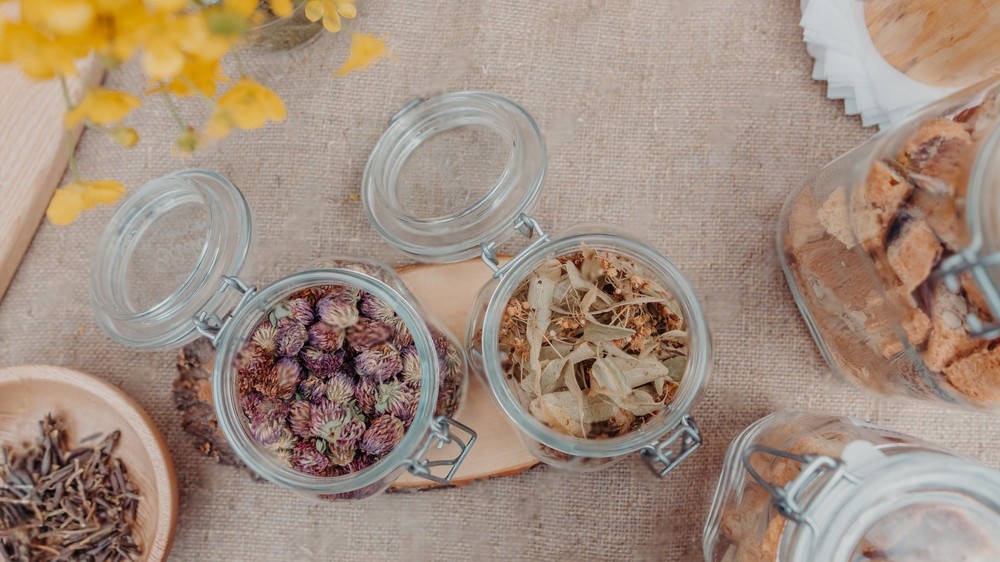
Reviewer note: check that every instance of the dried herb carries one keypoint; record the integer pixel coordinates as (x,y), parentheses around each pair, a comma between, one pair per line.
(596,346)
(330,380)
(62,504)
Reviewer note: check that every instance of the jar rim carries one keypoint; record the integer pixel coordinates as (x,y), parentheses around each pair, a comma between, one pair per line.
(699,346)
(227,240)
(226,402)
(456,235)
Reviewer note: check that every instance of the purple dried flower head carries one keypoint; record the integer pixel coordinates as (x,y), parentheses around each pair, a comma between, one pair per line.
(375,308)
(300,418)
(287,374)
(321,363)
(284,456)
(252,363)
(300,310)
(339,309)
(361,462)
(367,333)
(401,335)
(341,456)
(411,372)
(312,388)
(365,395)
(351,433)
(263,336)
(308,459)
(441,342)
(268,422)
(382,435)
(310,294)
(340,389)
(405,409)
(379,363)
(249,403)
(325,337)
(390,394)
(290,337)
(285,441)
(328,418)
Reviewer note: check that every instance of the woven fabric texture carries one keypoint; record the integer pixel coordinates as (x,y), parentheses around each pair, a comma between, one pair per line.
(690,121)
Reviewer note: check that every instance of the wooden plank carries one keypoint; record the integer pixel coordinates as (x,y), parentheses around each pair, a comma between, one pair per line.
(953,43)
(33,155)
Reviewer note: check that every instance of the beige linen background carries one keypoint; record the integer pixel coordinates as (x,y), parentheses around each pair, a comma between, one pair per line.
(690,120)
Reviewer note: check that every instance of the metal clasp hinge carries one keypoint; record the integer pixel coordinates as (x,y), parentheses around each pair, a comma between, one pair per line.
(442,433)
(786,499)
(529,228)
(949,271)
(209,324)
(664,456)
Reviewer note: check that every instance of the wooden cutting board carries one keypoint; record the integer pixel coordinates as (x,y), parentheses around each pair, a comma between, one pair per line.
(951,43)
(33,155)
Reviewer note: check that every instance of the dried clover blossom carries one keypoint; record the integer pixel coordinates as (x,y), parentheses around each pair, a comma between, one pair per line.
(321,363)
(264,336)
(290,337)
(597,347)
(308,459)
(379,363)
(384,433)
(325,337)
(366,333)
(338,310)
(340,389)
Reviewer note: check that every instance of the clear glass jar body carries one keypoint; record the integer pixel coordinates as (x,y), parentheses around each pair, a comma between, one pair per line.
(283,33)
(213,301)
(549,445)
(864,244)
(883,496)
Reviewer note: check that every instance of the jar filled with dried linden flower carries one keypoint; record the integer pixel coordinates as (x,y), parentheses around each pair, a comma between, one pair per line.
(330,382)
(891,254)
(592,342)
(804,487)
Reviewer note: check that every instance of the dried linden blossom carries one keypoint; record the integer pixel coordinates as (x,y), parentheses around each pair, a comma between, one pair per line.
(596,347)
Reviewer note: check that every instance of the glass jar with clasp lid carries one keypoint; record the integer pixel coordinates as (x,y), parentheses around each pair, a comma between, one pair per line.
(455,176)
(329,382)
(804,487)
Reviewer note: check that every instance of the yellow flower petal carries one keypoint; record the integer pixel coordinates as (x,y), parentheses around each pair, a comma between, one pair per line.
(282,8)
(366,49)
(67,17)
(242,7)
(218,126)
(172,6)
(314,10)
(125,136)
(331,20)
(102,107)
(66,204)
(101,192)
(346,8)
(161,60)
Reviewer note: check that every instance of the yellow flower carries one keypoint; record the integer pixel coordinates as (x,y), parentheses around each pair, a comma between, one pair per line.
(247,105)
(102,107)
(197,75)
(172,38)
(365,50)
(39,56)
(125,136)
(78,195)
(61,17)
(330,11)
(282,8)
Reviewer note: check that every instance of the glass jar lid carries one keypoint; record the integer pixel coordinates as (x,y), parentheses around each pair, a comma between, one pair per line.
(453,173)
(164,258)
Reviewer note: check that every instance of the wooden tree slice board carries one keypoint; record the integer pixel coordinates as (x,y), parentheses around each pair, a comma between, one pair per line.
(88,405)
(447,291)
(33,154)
(951,43)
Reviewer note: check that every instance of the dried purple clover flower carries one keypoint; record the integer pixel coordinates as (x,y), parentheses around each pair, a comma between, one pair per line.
(411,372)
(401,335)
(341,456)
(310,294)
(308,459)
(263,336)
(339,310)
(351,433)
(340,389)
(287,374)
(290,337)
(375,308)
(392,394)
(325,337)
(252,364)
(365,396)
(312,388)
(328,418)
(285,442)
(267,423)
(250,403)
(300,418)
(382,436)
(300,310)
(321,363)
(379,363)
(366,333)
(361,462)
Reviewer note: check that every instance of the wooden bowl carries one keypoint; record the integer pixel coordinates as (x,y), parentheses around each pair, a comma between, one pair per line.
(88,405)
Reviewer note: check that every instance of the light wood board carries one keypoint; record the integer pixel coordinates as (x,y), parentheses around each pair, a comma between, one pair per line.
(952,43)
(89,405)
(33,155)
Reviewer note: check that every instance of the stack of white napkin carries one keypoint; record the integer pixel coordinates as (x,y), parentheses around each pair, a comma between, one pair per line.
(837,38)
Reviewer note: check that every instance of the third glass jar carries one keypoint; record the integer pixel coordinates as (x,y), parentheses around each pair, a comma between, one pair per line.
(891,254)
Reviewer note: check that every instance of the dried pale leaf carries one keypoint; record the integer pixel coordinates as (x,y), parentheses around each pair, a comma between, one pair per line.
(558,409)
(639,402)
(594,332)
(607,378)
(542,284)
(573,386)
(676,366)
(576,280)
(637,370)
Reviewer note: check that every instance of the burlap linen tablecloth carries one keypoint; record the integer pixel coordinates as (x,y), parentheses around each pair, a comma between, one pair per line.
(690,120)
